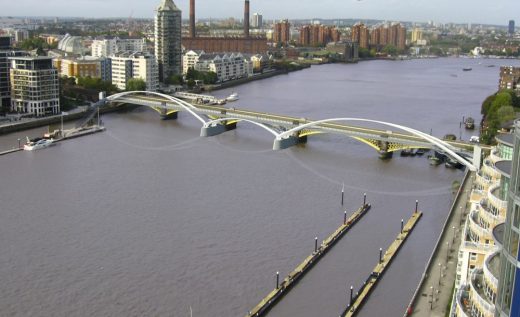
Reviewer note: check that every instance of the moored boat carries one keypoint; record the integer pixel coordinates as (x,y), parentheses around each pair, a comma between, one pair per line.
(37,144)
(406,152)
(469,123)
(434,160)
(451,163)
(467,69)
(420,152)
(233,97)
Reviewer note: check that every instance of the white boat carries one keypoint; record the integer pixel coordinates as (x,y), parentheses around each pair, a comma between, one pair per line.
(37,144)
(232,97)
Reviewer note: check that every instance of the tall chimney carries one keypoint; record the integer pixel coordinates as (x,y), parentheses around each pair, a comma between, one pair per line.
(246,19)
(192,19)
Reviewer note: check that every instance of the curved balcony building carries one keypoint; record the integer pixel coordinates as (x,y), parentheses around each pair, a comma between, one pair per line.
(508,298)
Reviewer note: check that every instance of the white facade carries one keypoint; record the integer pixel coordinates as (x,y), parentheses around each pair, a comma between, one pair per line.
(226,66)
(257,21)
(189,59)
(109,47)
(135,65)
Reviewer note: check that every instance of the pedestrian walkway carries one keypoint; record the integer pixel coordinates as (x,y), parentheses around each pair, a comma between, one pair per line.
(435,293)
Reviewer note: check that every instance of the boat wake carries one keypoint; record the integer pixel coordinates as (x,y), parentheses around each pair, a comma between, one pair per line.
(418,193)
(171,147)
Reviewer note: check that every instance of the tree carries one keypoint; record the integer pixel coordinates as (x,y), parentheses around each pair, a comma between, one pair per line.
(390,50)
(210,78)
(505,113)
(136,84)
(486,105)
(364,53)
(175,80)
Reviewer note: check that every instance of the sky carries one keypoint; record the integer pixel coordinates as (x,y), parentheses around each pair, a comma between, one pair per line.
(458,11)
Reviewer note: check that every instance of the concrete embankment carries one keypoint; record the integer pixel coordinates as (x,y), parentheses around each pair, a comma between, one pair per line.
(242,81)
(434,292)
(41,122)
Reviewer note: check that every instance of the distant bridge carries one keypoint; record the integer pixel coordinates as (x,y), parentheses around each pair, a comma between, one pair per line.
(289,131)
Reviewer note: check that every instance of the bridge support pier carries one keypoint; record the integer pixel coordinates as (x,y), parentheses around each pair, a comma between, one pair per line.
(282,144)
(213,130)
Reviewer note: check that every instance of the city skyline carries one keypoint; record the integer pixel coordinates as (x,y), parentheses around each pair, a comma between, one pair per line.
(443,11)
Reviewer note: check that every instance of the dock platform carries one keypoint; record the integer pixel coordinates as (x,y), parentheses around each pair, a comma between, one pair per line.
(362,295)
(11,151)
(297,274)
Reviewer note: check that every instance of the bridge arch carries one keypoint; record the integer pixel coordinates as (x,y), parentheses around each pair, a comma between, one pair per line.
(186,106)
(263,126)
(433,140)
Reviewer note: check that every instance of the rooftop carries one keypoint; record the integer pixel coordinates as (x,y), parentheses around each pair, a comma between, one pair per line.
(505,138)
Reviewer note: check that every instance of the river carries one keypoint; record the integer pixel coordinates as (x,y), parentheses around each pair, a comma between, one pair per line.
(149,219)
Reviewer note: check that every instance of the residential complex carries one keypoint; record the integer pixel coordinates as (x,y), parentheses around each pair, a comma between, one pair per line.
(227,66)
(282,33)
(380,36)
(508,300)
(168,51)
(34,86)
(488,258)
(318,35)
(128,65)
(80,67)
(510,78)
(109,46)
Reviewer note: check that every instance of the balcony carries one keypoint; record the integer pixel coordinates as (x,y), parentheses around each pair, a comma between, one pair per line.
(489,169)
(462,299)
(495,156)
(480,303)
(495,199)
(498,234)
(488,214)
(483,234)
(491,270)
(483,180)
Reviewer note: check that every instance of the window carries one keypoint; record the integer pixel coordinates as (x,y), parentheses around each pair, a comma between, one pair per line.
(516,217)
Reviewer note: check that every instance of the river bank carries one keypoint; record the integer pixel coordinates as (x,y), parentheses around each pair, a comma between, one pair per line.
(27,124)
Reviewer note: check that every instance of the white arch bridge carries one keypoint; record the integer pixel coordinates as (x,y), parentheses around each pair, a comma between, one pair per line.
(289,131)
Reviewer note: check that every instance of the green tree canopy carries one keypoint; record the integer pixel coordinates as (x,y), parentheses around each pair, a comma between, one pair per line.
(97,84)
(136,84)
(175,80)
(390,50)
(207,77)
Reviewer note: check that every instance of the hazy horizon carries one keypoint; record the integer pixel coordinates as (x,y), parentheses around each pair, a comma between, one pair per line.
(443,11)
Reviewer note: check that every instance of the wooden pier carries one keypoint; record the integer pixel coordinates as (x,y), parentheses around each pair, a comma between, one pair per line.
(362,295)
(282,288)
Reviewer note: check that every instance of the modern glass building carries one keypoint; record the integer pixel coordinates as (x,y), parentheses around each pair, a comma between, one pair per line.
(507,235)
(168,50)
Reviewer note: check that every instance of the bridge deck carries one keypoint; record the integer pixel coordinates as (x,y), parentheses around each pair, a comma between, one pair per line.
(289,122)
